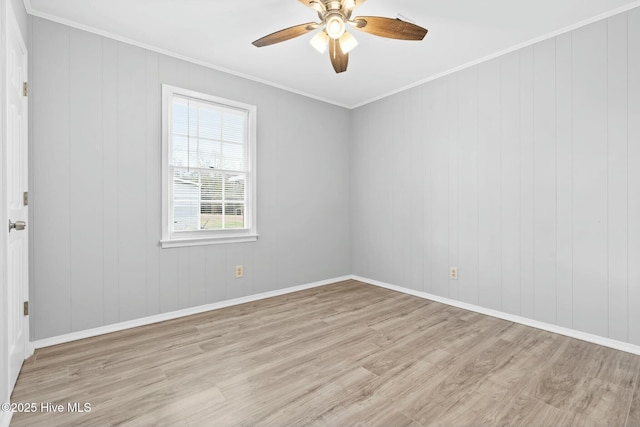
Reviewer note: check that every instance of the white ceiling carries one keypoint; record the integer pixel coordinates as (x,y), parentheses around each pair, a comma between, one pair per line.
(219,33)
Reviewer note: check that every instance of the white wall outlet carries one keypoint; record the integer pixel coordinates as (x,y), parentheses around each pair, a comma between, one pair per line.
(239,271)
(453,273)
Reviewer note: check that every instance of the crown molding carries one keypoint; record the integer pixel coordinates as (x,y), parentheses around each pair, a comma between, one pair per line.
(506,51)
(73,24)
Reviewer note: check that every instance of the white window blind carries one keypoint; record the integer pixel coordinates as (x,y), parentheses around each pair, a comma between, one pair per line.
(209,168)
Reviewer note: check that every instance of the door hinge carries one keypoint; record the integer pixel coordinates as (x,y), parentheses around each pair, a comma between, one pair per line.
(25,198)
(25,89)
(26,308)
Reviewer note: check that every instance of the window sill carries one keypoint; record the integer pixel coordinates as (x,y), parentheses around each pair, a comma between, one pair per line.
(202,241)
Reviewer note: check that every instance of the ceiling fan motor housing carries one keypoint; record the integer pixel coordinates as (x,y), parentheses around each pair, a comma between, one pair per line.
(332,5)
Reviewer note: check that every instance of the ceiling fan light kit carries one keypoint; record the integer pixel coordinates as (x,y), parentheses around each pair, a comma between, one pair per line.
(320,41)
(348,42)
(335,25)
(334,16)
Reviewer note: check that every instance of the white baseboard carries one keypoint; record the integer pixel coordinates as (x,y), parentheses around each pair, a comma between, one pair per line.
(595,339)
(74,336)
(5,418)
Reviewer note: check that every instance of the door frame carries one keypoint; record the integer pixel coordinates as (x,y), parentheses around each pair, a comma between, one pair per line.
(5,393)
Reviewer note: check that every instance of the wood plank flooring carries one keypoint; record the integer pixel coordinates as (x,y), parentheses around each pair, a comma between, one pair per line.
(347,354)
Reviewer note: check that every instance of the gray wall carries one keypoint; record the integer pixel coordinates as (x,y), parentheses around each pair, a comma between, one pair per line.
(524,172)
(95,116)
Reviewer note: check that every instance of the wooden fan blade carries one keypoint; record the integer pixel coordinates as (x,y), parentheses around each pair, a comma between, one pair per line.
(339,60)
(390,28)
(286,34)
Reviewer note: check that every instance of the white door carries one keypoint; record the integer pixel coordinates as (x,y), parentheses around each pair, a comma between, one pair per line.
(17,212)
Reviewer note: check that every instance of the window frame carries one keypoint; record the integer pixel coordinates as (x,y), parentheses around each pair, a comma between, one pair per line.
(173,239)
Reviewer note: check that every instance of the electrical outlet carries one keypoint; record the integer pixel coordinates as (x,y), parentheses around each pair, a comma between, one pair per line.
(453,273)
(239,271)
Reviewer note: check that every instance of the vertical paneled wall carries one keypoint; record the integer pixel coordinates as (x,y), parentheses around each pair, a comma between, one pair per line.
(524,172)
(96,190)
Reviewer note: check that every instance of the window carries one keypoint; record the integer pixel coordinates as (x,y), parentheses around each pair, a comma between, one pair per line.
(208,169)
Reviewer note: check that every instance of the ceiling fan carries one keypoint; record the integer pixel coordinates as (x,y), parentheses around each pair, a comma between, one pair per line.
(334,16)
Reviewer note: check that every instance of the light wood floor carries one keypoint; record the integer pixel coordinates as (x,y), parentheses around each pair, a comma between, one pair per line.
(347,354)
